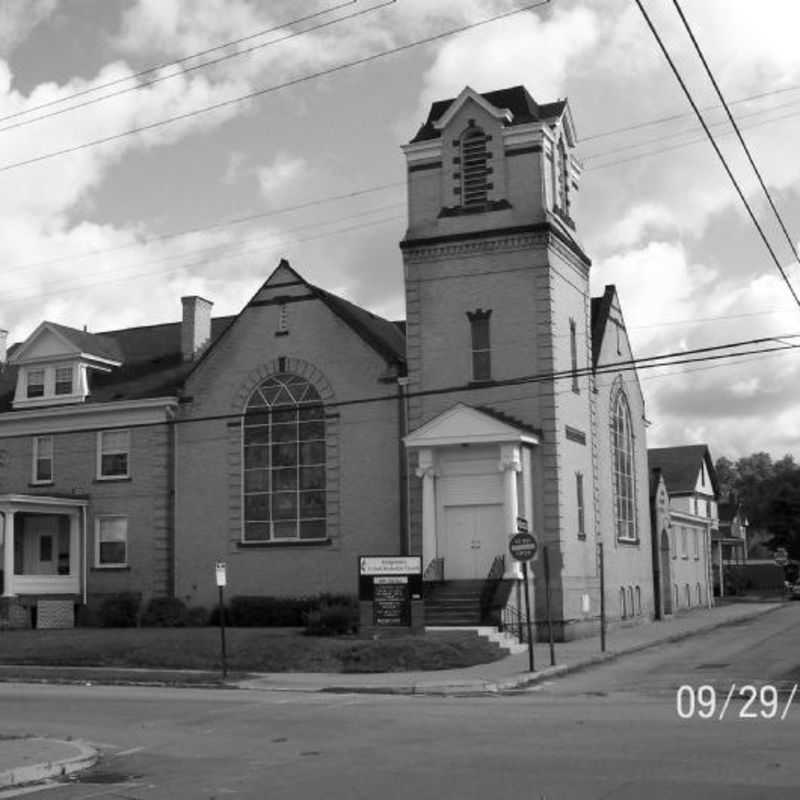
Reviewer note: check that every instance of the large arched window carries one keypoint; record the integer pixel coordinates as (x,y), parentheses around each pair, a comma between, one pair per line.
(622,465)
(284,461)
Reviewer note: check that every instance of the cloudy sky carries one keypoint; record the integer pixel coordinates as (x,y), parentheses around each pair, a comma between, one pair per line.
(113,234)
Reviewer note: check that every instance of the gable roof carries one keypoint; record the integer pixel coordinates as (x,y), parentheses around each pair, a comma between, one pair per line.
(92,344)
(680,466)
(516,99)
(600,311)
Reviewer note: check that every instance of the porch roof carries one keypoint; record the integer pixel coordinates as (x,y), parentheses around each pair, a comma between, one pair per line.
(25,500)
(463,424)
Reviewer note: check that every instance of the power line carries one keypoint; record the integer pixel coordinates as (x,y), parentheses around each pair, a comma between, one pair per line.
(738,134)
(718,152)
(163,65)
(683,115)
(269,89)
(204,64)
(674,358)
(204,228)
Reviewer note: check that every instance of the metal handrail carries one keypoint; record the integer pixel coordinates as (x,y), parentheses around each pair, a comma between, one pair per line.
(493,578)
(511,622)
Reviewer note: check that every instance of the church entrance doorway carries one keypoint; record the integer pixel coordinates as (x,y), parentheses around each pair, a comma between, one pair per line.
(471,534)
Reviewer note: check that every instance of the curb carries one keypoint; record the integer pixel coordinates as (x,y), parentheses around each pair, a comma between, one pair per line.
(35,773)
(524,680)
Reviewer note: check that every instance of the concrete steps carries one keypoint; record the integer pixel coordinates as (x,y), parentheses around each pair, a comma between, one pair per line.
(505,640)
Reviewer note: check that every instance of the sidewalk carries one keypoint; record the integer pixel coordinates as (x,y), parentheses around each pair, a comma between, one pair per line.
(33,760)
(512,671)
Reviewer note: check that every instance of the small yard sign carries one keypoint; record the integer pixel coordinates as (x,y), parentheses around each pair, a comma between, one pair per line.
(222,574)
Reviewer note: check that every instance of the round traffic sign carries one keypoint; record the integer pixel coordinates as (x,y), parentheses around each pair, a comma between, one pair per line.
(523,547)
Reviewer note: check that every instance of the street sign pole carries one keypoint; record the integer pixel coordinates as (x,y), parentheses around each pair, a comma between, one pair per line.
(547,605)
(528,615)
(221,572)
(222,634)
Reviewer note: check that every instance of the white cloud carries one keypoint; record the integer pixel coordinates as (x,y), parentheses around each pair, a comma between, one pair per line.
(276,176)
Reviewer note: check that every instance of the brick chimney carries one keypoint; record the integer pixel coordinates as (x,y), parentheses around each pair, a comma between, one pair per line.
(196,326)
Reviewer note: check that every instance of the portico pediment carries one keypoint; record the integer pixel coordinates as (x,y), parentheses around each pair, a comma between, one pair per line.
(463,424)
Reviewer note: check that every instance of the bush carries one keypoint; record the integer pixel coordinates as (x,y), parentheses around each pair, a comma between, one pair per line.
(332,620)
(267,612)
(120,610)
(736,581)
(166,612)
(196,616)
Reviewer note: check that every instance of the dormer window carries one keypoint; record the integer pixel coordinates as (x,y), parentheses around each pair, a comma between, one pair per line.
(64,380)
(35,383)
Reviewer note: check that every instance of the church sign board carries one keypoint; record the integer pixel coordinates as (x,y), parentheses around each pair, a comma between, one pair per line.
(389,584)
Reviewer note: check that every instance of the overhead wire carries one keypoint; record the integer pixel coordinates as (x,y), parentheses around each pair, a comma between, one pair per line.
(172,62)
(719,152)
(269,89)
(674,358)
(202,65)
(738,132)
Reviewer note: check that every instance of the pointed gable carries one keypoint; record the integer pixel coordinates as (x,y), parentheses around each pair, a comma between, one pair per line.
(682,466)
(463,424)
(53,341)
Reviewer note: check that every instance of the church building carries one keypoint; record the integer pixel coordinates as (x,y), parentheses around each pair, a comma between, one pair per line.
(304,431)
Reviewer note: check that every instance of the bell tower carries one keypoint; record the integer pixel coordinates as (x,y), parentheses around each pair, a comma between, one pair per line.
(497,296)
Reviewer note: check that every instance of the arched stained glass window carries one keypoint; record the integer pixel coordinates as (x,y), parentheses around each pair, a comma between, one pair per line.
(622,466)
(284,461)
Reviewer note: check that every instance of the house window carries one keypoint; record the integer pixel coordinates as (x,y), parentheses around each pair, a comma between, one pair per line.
(63,380)
(623,609)
(622,460)
(579,500)
(111,541)
(284,462)
(675,595)
(684,543)
(43,459)
(481,348)
(638,600)
(688,592)
(699,595)
(113,449)
(474,188)
(563,178)
(573,347)
(673,545)
(696,544)
(35,384)
(631,607)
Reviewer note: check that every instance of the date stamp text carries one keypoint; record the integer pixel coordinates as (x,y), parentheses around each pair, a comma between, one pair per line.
(751,702)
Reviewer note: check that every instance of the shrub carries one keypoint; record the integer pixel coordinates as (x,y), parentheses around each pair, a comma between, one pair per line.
(196,616)
(166,612)
(266,612)
(120,610)
(213,616)
(332,620)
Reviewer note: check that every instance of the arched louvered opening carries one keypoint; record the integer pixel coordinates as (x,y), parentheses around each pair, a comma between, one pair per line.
(474,168)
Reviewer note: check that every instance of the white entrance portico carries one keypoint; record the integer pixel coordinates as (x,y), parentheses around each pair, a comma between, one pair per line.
(476,481)
(41,543)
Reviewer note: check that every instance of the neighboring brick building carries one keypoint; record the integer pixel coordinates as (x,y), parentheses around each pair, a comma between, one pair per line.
(167,448)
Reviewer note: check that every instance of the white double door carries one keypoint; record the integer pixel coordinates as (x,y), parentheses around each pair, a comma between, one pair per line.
(472,538)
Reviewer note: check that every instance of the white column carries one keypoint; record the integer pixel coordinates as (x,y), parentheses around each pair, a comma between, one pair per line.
(510,464)
(427,471)
(8,554)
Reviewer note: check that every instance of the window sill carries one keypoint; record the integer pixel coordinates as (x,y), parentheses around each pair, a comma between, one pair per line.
(110,568)
(39,484)
(634,542)
(112,479)
(480,383)
(582,537)
(284,543)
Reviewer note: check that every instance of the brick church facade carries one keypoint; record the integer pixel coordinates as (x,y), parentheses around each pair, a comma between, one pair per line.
(305,431)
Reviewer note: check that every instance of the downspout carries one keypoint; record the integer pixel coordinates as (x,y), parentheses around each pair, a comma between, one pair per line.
(85,556)
(402,430)
(172,461)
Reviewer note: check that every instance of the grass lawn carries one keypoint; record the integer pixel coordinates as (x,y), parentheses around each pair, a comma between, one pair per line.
(248,649)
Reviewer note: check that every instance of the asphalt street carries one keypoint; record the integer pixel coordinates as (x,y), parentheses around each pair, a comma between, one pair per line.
(610,732)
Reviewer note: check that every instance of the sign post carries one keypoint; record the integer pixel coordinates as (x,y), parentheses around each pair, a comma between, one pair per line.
(222,579)
(547,605)
(524,547)
(601,568)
